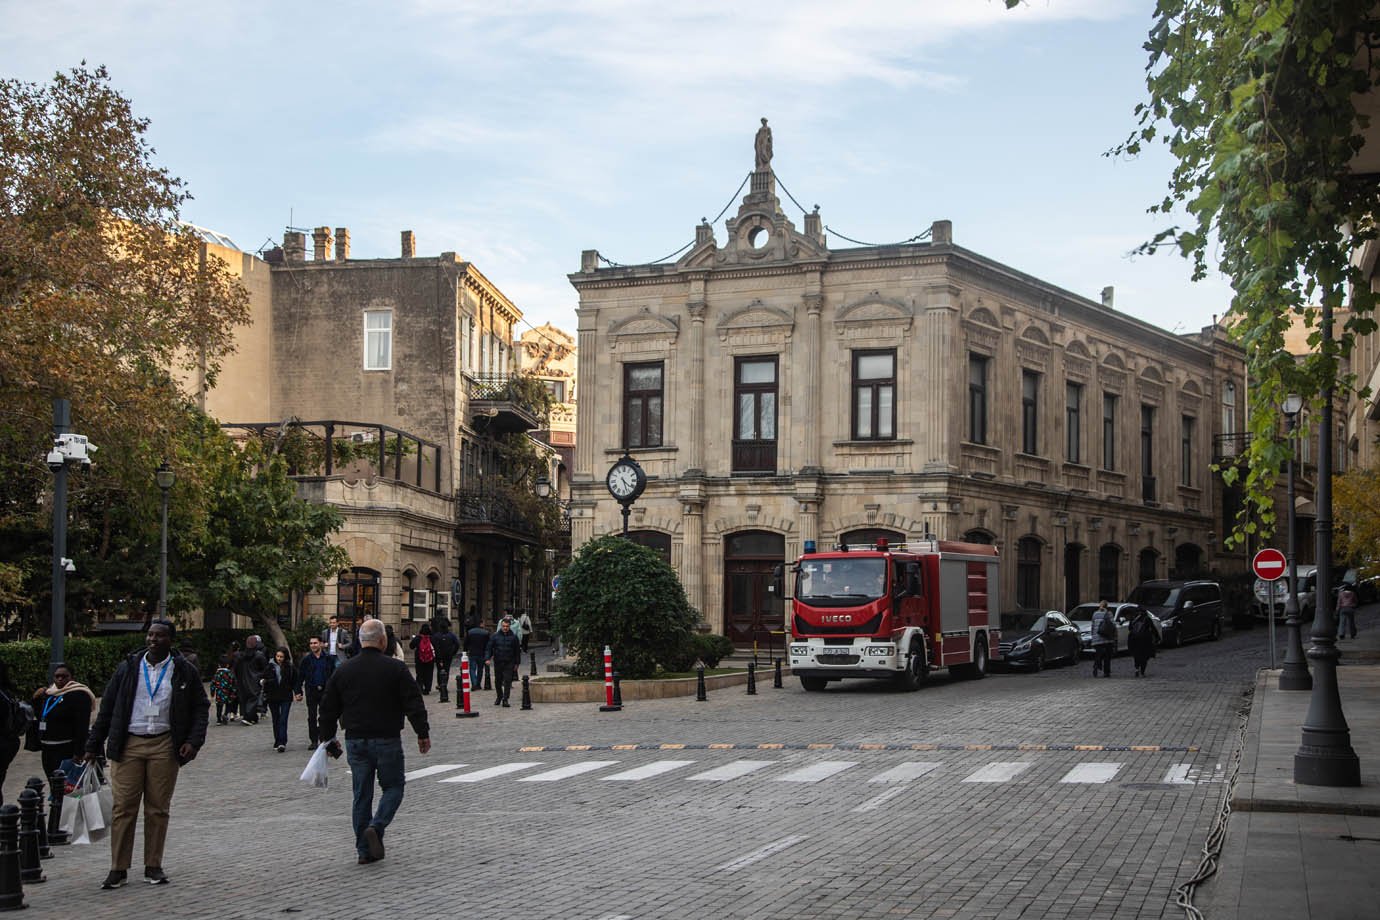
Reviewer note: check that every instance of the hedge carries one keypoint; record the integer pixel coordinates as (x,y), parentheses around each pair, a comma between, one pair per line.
(93,659)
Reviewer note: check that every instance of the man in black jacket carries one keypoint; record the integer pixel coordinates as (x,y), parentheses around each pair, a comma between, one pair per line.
(250,668)
(152,721)
(446,644)
(368,696)
(505,651)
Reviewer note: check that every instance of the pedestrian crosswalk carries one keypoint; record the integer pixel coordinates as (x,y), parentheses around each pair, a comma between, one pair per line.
(794,771)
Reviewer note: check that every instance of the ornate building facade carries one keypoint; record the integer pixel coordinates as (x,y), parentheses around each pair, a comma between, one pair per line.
(778,390)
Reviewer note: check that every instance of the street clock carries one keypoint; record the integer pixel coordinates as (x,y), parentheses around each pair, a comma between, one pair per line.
(625,482)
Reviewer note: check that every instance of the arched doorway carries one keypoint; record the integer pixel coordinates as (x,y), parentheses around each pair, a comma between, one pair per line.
(868,536)
(1109,572)
(1073,575)
(356,594)
(750,612)
(1149,564)
(1188,560)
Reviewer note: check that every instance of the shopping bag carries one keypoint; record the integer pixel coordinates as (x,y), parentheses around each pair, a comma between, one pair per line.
(73,821)
(105,796)
(316,773)
(71,769)
(93,799)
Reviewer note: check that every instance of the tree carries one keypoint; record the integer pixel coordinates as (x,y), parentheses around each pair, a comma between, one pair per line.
(103,299)
(1356,498)
(1258,100)
(620,594)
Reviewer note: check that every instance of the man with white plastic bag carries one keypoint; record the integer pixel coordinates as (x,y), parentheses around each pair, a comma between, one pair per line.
(152,721)
(316,773)
(86,810)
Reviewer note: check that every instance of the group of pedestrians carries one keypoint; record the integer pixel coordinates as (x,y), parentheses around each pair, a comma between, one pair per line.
(501,651)
(1143,635)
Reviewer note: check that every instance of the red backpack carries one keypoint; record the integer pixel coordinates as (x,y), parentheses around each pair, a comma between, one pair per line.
(425,653)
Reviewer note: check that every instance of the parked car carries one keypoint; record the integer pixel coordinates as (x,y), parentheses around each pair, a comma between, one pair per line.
(1307,578)
(1122,611)
(1186,609)
(1051,638)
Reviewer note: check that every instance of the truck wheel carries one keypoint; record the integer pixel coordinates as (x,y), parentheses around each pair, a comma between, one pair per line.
(813,684)
(977,668)
(917,668)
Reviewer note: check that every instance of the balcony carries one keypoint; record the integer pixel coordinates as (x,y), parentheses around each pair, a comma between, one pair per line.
(754,456)
(1227,447)
(1147,490)
(505,403)
(335,447)
(485,512)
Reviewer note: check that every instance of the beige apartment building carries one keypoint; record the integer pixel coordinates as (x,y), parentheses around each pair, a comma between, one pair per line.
(777,390)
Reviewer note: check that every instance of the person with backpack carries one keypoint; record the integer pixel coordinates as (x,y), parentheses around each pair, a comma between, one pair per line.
(1103,640)
(447,644)
(1346,610)
(425,658)
(1144,636)
(17,716)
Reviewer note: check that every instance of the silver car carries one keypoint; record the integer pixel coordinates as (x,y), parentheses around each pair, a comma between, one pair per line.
(1081,616)
(1307,577)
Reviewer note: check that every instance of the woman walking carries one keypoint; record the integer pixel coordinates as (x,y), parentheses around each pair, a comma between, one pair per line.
(63,711)
(279,680)
(425,657)
(1143,638)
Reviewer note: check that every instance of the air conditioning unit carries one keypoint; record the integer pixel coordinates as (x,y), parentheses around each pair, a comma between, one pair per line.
(363,437)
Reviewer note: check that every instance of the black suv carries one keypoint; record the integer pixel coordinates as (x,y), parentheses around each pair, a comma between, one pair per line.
(1187,609)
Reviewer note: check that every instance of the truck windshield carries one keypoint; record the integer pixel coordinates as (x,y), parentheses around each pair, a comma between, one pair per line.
(836,579)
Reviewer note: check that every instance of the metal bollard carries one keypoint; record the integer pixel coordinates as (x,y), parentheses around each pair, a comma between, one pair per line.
(776,681)
(701,695)
(56,835)
(442,679)
(11,881)
(30,867)
(526,692)
(533,656)
(44,851)
(752,678)
(617,690)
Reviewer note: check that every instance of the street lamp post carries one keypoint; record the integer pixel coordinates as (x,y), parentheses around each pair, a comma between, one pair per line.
(1325,756)
(1294,675)
(165,477)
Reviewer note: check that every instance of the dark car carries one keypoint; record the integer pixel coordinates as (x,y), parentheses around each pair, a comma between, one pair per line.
(1049,639)
(1187,610)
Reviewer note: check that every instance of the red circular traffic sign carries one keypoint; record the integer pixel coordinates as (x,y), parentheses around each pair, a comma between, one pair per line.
(1269,564)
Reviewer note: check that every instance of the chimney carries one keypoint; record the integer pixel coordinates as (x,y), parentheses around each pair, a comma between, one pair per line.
(294,246)
(942,232)
(409,245)
(321,244)
(814,225)
(589,260)
(342,244)
(704,233)
(1109,297)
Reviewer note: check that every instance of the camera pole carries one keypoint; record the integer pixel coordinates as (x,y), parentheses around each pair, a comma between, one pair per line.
(62,420)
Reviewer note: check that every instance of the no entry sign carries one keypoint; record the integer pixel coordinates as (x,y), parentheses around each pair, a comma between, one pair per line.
(1268,564)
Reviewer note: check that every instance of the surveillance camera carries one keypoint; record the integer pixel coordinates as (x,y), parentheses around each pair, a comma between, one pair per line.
(68,565)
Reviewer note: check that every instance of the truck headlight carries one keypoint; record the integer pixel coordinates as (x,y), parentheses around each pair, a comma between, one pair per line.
(800,651)
(878,650)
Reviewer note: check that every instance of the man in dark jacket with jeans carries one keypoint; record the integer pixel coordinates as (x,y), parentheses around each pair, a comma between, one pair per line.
(152,721)
(368,696)
(505,651)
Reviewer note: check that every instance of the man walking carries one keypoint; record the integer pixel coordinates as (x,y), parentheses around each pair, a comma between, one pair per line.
(505,651)
(1103,640)
(336,640)
(368,696)
(313,672)
(447,644)
(152,721)
(477,647)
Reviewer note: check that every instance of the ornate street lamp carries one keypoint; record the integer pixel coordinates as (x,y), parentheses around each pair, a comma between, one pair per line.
(1295,675)
(165,477)
(543,486)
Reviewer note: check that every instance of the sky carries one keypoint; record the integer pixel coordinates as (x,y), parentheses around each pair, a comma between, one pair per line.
(520,133)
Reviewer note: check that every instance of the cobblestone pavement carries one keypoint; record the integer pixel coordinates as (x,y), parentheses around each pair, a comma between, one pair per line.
(1022,795)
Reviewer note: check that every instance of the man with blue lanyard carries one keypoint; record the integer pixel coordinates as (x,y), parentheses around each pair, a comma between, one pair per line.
(152,721)
(315,668)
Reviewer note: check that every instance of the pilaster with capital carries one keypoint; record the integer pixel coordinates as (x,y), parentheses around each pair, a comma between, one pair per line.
(695,306)
(586,410)
(809,393)
(692,498)
(939,438)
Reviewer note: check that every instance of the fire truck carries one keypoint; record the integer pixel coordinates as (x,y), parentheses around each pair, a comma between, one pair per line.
(893,612)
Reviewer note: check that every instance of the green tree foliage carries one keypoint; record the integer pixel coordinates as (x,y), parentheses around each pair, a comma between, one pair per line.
(1257,102)
(1356,501)
(620,594)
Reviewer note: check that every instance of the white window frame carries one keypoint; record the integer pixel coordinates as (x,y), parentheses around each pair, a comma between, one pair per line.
(421,600)
(443,604)
(386,331)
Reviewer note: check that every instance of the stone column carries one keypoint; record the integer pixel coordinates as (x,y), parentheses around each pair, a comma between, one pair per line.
(588,407)
(809,409)
(692,573)
(694,444)
(939,339)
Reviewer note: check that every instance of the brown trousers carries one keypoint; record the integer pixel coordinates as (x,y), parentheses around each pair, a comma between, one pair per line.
(146,772)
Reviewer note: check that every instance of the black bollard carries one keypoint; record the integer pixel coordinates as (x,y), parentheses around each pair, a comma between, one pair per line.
(488,684)
(776,681)
(11,880)
(617,690)
(526,692)
(700,694)
(44,851)
(56,835)
(533,656)
(752,678)
(30,863)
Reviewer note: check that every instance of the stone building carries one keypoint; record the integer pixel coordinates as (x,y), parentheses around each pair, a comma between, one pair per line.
(778,390)
(399,376)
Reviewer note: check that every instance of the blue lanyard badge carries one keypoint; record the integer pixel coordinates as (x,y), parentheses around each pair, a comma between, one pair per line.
(149,685)
(48,705)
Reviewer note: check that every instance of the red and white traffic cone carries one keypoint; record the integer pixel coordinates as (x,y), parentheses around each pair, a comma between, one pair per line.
(609,704)
(466,712)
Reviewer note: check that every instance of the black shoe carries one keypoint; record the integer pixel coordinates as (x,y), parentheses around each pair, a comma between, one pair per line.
(154,876)
(498,701)
(365,859)
(443,699)
(281,748)
(374,842)
(505,704)
(116,879)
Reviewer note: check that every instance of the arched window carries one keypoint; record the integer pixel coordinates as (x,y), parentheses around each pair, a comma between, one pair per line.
(1028,573)
(356,593)
(869,536)
(653,540)
(1109,573)
(979,536)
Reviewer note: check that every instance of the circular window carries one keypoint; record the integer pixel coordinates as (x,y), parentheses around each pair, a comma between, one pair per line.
(758,237)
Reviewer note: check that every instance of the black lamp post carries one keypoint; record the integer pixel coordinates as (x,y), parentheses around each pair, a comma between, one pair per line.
(1325,756)
(165,478)
(1294,675)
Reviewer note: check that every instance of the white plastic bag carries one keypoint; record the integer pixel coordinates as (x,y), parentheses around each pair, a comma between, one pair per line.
(86,810)
(316,773)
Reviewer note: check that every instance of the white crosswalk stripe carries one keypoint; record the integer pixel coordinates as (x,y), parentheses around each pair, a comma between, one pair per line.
(999,772)
(432,770)
(646,771)
(735,770)
(478,776)
(575,769)
(1092,773)
(816,772)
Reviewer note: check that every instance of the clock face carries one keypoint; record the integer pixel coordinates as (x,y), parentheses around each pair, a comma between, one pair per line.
(622,481)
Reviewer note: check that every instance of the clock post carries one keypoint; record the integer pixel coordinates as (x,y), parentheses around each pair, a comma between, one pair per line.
(625,482)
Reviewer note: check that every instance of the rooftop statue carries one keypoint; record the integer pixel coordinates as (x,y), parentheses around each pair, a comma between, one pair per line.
(762,146)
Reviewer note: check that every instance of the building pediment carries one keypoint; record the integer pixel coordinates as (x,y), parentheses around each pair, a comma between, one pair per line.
(880,315)
(756,319)
(644,328)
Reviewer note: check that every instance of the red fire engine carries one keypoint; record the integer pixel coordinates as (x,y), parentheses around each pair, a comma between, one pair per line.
(894,612)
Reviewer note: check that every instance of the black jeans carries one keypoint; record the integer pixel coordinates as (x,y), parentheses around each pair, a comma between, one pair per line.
(424,672)
(313,697)
(1102,657)
(504,672)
